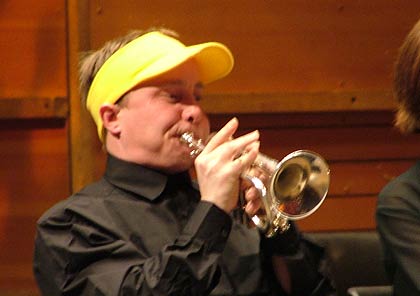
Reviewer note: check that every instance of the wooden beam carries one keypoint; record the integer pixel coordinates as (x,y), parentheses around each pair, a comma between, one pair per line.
(30,108)
(298,102)
(327,101)
(83,141)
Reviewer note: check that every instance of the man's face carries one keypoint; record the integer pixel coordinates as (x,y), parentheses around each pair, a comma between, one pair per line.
(156,113)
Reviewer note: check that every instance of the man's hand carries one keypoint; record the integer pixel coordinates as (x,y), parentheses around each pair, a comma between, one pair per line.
(222,162)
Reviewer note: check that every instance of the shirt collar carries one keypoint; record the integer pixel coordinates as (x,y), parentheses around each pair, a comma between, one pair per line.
(139,179)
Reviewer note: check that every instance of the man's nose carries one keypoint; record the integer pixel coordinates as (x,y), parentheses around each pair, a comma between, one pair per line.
(192,113)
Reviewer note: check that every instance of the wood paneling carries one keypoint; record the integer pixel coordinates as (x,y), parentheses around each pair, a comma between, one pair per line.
(32,49)
(33,130)
(351,213)
(35,107)
(83,141)
(301,66)
(344,144)
(358,146)
(303,120)
(298,102)
(340,137)
(33,176)
(279,46)
(350,178)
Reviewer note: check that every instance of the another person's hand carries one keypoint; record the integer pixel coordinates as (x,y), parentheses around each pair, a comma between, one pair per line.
(221,163)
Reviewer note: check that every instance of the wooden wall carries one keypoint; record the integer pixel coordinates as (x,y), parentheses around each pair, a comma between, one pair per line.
(33,130)
(309,75)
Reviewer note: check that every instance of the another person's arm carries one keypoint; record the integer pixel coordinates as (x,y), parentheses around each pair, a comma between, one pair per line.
(398,224)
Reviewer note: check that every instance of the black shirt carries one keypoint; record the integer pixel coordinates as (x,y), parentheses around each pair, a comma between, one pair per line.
(140,232)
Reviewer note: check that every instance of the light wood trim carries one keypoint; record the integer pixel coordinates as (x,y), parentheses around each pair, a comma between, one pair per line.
(28,108)
(299,102)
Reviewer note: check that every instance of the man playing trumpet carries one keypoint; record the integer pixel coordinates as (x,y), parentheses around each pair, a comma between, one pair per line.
(145,228)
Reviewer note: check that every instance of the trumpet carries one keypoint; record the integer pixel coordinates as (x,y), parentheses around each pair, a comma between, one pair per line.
(292,188)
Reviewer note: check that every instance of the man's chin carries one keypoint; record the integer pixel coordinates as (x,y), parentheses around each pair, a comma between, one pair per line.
(181,165)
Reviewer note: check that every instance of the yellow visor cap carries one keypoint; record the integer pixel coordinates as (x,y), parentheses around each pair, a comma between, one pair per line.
(149,56)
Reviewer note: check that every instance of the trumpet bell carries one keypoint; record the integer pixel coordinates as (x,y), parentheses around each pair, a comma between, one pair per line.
(299,184)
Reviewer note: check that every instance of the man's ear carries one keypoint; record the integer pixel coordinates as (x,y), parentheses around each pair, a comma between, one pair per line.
(109,116)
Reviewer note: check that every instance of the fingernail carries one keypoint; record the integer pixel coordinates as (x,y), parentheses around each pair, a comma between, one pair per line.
(233,120)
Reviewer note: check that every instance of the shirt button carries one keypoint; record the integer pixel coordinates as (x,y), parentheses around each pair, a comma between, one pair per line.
(136,240)
(224,232)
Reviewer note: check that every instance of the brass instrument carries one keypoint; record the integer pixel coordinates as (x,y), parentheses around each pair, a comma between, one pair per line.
(293,189)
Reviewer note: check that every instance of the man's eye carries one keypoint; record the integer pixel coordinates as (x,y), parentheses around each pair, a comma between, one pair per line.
(175,97)
(172,96)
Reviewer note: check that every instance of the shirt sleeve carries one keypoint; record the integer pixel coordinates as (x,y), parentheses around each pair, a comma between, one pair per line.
(304,260)
(397,217)
(73,256)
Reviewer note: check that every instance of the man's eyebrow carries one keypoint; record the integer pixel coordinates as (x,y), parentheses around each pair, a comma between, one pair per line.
(199,85)
(180,82)
(168,83)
